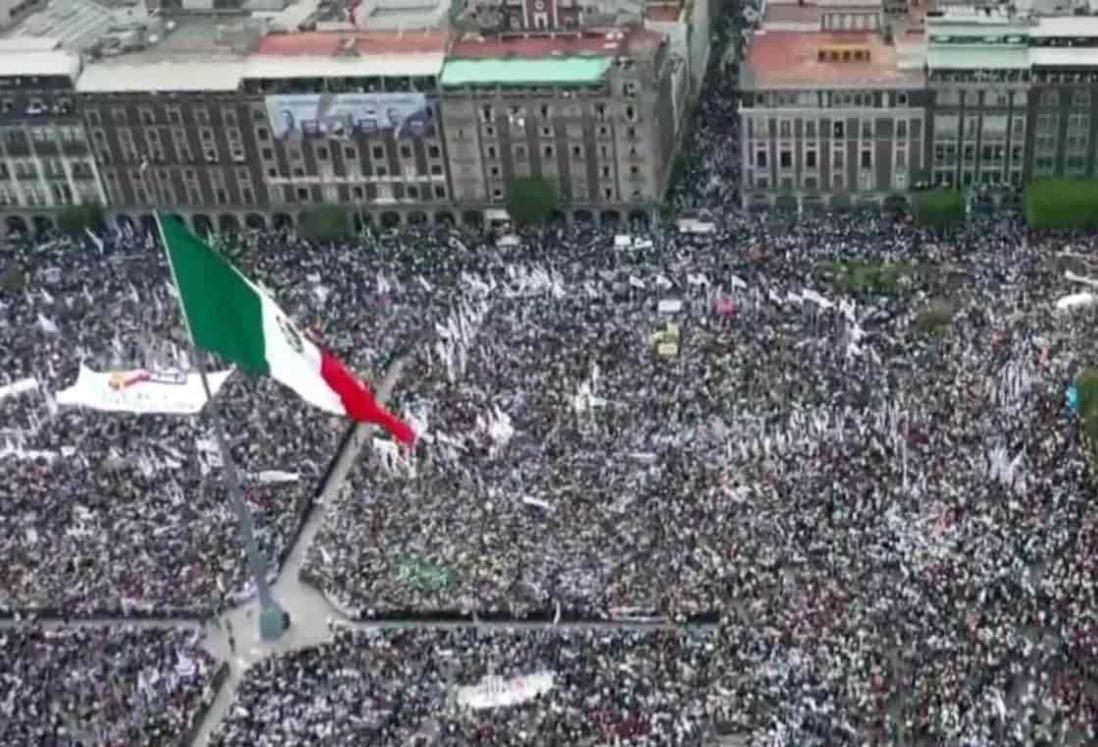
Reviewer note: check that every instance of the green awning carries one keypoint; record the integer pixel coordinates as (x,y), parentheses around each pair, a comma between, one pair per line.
(556,70)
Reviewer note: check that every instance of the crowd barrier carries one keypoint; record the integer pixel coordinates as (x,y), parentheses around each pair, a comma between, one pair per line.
(545,615)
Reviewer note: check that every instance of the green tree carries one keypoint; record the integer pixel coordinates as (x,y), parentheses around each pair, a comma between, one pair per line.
(1062,203)
(326,223)
(12,278)
(786,203)
(894,204)
(75,218)
(939,208)
(530,199)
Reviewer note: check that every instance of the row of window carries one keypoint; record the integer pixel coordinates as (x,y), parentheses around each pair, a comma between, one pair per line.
(836,129)
(970,177)
(33,195)
(945,153)
(810,160)
(1074,165)
(992,97)
(827,99)
(579,194)
(866,181)
(549,151)
(518,114)
(989,126)
(52,168)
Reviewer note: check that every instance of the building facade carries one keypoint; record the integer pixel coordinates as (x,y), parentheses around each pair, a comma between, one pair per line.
(46,162)
(226,124)
(982,101)
(829,120)
(978,76)
(597,125)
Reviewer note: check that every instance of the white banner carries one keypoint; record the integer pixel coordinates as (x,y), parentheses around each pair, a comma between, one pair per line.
(276,477)
(141,391)
(18,387)
(496,692)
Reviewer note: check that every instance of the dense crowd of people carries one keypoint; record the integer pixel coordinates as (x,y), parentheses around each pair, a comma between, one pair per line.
(468,687)
(112,512)
(112,686)
(846,437)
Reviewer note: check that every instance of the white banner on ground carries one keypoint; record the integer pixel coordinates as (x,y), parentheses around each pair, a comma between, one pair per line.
(1075,301)
(496,692)
(276,477)
(18,387)
(141,391)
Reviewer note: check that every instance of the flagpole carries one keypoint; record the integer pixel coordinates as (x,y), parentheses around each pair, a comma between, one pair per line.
(272,618)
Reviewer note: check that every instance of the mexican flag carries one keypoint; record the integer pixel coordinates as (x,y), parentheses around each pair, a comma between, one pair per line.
(230,315)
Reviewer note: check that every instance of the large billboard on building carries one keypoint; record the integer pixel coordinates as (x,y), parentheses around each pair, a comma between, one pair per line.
(344,114)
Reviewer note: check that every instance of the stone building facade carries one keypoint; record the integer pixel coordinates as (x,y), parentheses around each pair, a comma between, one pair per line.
(830,120)
(597,127)
(369,122)
(45,159)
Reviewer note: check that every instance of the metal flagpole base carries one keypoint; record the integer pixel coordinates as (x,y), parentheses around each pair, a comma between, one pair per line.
(273,621)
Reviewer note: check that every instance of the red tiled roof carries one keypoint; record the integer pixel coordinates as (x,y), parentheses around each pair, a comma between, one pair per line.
(663,13)
(330,43)
(612,42)
(789,59)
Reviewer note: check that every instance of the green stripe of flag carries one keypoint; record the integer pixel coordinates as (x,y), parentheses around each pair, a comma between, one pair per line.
(223,310)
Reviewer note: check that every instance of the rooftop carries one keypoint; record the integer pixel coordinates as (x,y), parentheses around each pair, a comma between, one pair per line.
(41,64)
(663,12)
(189,53)
(981,57)
(1069,57)
(162,75)
(779,15)
(368,66)
(349,44)
(216,53)
(1065,27)
(635,42)
(790,59)
(545,71)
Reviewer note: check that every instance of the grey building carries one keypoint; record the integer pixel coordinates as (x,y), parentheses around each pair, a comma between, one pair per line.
(1013,99)
(830,119)
(45,160)
(595,121)
(1063,97)
(263,134)
(216,119)
(978,77)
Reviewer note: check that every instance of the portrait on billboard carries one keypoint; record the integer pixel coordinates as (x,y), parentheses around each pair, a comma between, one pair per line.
(344,114)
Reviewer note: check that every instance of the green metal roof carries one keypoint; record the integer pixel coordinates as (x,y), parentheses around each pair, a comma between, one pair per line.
(503,72)
(947,57)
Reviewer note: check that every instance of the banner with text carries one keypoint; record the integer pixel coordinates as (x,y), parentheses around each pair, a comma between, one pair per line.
(344,114)
(496,692)
(141,391)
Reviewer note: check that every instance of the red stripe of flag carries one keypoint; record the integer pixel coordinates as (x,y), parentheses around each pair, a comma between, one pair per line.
(359,401)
